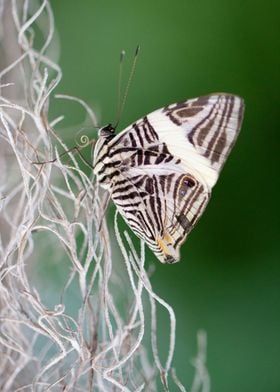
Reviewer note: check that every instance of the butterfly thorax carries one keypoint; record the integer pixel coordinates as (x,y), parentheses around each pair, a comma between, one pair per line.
(104,164)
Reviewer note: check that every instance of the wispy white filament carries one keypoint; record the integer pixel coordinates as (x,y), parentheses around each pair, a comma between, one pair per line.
(50,212)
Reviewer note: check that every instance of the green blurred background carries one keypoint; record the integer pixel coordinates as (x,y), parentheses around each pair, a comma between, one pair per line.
(228,281)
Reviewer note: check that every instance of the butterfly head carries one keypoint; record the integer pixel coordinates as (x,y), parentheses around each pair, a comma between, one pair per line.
(107,132)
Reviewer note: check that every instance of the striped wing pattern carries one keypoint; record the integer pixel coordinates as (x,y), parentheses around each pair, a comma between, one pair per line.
(160,170)
(211,124)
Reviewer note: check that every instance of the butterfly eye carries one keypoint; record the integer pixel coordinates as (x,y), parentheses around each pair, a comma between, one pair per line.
(107,131)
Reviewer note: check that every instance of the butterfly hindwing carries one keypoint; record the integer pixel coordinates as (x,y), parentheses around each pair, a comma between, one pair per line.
(161,208)
(160,170)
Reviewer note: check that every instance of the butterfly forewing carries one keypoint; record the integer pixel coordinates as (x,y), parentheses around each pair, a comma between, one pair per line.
(160,171)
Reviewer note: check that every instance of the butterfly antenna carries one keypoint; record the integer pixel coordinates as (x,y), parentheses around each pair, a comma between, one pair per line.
(122,103)
(122,56)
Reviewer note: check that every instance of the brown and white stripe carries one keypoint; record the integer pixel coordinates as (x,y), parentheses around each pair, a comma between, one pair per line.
(211,124)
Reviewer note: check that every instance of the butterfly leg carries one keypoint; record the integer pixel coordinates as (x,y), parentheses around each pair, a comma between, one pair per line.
(73,149)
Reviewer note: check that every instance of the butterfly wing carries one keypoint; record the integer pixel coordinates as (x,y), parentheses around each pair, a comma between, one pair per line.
(201,131)
(167,164)
(161,206)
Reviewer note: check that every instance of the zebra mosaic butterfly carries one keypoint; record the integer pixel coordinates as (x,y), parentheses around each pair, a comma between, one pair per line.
(160,171)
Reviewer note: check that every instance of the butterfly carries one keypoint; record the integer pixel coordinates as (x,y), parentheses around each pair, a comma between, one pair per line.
(160,170)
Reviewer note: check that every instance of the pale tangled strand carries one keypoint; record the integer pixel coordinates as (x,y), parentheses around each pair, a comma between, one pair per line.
(86,333)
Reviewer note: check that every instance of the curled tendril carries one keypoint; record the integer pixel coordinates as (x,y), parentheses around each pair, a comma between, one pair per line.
(84,141)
